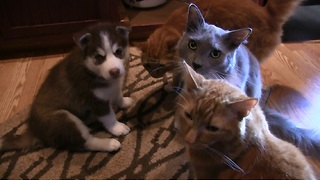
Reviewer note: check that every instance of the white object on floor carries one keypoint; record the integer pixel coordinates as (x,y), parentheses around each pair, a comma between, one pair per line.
(144,3)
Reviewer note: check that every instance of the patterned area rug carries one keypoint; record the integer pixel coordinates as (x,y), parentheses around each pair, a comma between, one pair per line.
(152,150)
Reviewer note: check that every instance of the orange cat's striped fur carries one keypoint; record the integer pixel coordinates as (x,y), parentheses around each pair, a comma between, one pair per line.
(227,135)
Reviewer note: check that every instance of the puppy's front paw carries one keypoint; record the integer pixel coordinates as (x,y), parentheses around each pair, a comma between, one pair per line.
(119,129)
(126,102)
(113,145)
(102,144)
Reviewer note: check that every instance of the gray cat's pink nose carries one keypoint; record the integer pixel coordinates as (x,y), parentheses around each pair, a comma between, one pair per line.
(114,73)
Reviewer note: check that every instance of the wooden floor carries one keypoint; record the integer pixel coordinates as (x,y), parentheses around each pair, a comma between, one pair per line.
(293,72)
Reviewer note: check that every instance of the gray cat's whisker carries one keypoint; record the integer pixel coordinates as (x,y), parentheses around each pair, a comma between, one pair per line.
(217,76)
(156,69)
(179,94)
(183,90)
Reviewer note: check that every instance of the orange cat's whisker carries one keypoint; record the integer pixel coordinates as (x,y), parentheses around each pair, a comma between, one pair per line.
(225,159)
(181,105)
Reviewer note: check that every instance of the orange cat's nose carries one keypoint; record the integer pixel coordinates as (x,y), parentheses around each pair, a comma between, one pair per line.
(191,136)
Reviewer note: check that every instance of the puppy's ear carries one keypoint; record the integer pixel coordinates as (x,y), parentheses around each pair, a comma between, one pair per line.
(82,39)
(123,31)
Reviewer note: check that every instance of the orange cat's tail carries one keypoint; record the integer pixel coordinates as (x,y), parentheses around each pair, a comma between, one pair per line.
(281,10)
(307,140)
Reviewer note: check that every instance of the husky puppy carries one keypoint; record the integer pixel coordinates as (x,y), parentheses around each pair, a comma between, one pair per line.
(82,87)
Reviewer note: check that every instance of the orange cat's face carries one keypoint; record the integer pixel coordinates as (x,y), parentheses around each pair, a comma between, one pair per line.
(205,122)
(158,52)
(210,113)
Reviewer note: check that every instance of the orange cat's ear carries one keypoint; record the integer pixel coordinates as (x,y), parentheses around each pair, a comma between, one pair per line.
(192,80)
(141,45)
(242,108)
(171,44)
(236,37)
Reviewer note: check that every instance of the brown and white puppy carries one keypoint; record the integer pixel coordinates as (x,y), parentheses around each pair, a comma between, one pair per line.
(81,88)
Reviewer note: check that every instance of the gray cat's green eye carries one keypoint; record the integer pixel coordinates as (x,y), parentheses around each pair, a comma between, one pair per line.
(215,53)
(192,45)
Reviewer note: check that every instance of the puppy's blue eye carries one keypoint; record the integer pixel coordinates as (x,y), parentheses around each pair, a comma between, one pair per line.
(215,53)
(99,58)
(192,45)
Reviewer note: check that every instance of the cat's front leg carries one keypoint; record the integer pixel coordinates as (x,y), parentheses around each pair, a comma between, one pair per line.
(111,124)
(176,83)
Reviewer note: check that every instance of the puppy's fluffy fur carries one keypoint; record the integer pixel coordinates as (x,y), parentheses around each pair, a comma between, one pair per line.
(81,88)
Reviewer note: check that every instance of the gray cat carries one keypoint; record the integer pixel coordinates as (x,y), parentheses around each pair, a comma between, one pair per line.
(216,53)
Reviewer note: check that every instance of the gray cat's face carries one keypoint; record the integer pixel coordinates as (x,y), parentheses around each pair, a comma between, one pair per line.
(208,49)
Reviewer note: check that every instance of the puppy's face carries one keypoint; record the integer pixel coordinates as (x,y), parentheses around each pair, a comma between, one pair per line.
(105,49)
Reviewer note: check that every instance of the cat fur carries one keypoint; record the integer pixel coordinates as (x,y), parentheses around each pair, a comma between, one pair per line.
(159,50)
(245,74)
(227,135)
(216,53)
(240,68)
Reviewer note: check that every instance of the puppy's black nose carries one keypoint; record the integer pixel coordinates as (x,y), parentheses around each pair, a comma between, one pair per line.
(114,72)
(196,66)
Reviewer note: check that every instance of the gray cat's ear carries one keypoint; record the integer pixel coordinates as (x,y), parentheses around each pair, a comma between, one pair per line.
(82,39)
(236,37)
(123,31)
(192,80)
(242,108)
(195,19)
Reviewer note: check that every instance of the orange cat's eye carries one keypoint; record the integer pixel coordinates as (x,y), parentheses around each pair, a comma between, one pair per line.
(188,115)
(192,45)
(212,128)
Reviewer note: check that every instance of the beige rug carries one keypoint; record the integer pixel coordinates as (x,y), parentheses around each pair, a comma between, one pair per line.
(151,150)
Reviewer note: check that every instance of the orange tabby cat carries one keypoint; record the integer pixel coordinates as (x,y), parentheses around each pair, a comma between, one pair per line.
(227,135)
(158,52)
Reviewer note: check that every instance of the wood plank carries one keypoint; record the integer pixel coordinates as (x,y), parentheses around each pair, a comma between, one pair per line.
(293,72)
(21,79)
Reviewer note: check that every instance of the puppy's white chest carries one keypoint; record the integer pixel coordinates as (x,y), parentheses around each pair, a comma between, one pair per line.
(107,93)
